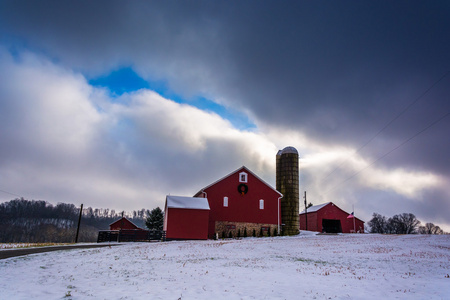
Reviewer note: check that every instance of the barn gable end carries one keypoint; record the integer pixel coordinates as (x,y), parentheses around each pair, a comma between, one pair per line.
(123,223)
(241,201)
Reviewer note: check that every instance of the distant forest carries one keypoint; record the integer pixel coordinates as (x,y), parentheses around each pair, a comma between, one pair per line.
(37,221)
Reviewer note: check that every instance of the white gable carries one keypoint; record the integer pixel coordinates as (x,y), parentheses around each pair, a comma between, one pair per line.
(315,208)
(187,202)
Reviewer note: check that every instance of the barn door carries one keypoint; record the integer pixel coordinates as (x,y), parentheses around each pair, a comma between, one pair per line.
(331,226)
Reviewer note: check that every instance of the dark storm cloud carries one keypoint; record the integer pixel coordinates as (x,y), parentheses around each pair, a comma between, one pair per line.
(338,70)
(335,71)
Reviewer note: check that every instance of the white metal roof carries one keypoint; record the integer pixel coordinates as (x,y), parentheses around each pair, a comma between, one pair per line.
(315,208)
(187,202)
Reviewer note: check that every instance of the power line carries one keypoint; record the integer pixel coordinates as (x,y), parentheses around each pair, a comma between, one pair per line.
(392,150)
(389,123)
(6,192)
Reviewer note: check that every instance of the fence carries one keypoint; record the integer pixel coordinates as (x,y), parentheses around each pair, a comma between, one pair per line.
(129,235)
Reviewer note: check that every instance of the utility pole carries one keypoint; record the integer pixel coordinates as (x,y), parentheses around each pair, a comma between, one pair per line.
(354,228)
(79,221)
(306,213)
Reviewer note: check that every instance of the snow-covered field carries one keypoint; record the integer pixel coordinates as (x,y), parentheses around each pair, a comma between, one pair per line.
(365,266)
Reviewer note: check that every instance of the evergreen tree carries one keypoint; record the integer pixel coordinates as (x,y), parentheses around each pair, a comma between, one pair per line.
(155,220)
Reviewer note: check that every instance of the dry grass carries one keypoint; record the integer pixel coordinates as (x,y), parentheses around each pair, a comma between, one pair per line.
(29,245)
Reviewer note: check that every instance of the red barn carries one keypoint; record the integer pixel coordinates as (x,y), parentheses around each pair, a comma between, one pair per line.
(186,218)
(329,218)
(123,223)
(241,201)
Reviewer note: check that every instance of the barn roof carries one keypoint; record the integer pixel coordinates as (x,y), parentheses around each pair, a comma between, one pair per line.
(125,219)
(187,202)
(315,207)
(235,171)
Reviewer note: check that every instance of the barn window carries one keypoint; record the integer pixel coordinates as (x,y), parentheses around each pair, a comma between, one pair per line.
(242,177)
(261,204)
(225,201)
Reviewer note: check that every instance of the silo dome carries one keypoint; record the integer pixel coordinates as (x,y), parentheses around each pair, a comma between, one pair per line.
(289,150)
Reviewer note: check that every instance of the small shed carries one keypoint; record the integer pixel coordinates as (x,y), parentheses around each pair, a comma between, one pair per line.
(329,218)
(123,223)
(186,218)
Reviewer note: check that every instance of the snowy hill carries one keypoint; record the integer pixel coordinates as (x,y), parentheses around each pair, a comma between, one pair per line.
(308,266)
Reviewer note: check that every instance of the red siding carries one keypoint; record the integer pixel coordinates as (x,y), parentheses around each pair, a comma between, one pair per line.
(122,223)
(186,224)
(241,208)
(330,212)
(312,222)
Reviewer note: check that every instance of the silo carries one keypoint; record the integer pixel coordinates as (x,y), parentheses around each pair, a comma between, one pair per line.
(287,184)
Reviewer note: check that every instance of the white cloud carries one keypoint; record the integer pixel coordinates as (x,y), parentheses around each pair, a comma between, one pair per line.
(333,170)
(77,145)
(66,141)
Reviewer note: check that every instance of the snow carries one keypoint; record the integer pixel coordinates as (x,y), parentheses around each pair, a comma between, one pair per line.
(315,208)
(187,202)
(307,266)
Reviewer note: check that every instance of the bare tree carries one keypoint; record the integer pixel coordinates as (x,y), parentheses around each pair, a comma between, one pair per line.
(430,228)
(405,223)
(378,224)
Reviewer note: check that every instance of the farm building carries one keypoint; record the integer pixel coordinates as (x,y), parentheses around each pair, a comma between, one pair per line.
(123,230)
(186,218)
(329,218)
(242,202)
(123,223)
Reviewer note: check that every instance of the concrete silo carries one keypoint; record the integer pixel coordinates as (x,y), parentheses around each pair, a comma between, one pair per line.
(287,181)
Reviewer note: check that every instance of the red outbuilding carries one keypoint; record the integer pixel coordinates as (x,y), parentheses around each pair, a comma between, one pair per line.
(186,218)
(123,223)
(329,218)
(242,202)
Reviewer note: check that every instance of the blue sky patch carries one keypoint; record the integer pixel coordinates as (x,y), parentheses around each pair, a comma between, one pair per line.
(121,81)
(126,80)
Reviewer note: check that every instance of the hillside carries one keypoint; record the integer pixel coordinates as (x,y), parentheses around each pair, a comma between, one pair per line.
(308,266)
(37,221)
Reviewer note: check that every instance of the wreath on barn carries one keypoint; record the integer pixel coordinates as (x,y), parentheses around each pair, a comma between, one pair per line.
(242,189)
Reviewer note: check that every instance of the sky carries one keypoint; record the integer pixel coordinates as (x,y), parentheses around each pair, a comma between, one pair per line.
(118,104)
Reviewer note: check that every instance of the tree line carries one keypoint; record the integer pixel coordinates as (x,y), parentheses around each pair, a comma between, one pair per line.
(405,223)
(37,221)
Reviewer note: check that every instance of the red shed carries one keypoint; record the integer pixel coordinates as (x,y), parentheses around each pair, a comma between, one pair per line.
(241,201)
(123,223)
(186,218)
(329,218)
